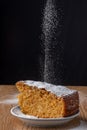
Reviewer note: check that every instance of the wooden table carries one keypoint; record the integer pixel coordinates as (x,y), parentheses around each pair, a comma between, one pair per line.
(8,99)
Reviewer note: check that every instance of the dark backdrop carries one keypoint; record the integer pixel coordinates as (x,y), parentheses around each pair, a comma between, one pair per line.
(76,42)
(20,39)
(20,26)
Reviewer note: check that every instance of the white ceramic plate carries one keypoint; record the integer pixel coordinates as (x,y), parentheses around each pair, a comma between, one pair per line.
(41,122)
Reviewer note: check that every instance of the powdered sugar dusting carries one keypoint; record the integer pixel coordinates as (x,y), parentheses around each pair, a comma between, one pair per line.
(55,89)
(52,40)
(9,101)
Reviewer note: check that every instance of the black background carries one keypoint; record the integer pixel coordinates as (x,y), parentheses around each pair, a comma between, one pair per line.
(20,39)
(20,27)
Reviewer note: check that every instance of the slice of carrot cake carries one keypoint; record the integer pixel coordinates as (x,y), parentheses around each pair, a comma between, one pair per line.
(46,100)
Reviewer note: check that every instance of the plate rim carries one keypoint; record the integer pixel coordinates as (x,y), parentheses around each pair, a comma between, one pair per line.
(40,119)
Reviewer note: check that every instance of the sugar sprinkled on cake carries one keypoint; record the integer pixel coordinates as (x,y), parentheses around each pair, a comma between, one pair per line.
(58,90)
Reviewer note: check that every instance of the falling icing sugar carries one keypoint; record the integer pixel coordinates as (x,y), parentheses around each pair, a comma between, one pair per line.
(52,29)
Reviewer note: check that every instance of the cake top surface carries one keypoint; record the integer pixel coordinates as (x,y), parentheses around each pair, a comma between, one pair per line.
(58,90)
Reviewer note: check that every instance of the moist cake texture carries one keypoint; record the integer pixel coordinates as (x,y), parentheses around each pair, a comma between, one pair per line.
(46,100)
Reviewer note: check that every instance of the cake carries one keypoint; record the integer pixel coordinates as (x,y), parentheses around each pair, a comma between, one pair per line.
(45,100)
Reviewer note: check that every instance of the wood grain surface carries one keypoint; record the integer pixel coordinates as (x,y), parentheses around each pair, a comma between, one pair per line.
(8,99)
